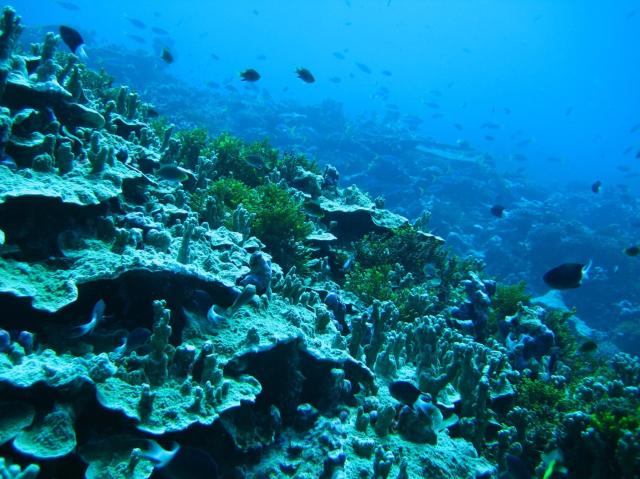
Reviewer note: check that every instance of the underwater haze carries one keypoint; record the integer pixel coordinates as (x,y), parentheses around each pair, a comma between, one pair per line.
(557,79)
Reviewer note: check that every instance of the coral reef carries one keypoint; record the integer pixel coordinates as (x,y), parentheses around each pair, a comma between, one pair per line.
(176,300)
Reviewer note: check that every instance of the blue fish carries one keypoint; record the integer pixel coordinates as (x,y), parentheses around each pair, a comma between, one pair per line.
(96,317)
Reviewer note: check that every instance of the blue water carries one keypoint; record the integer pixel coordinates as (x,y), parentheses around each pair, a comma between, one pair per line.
(561,77)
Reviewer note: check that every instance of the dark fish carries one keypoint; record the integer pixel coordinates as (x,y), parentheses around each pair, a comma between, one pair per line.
(261,57)
(507,111)
(638,155)
(338,55)
(213,84)
(433,105)
(632,251)
(635,128)
(335,79)
(498,211)
(457,126)
(159,31)
(69,5)
(96,316)
(255,12)
(595,187)
(630,15)
(490,125)
(568,111)
(305,75)
(173,173)
(386,73)
(489,138)
(250,75)
(517,468)
(137,38)
(588,347)
(405,392)
(437,115)
(566,276)
(364,68)
(524,142)
(152,112)
(72,38)
(214,56)
(137,23)
(190,463)
(166,55)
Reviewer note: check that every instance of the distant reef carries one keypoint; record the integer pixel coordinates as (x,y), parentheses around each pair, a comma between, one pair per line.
(179,305)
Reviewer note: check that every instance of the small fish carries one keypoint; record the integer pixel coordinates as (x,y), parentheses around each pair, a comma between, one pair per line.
(173,173)
(386,73)
(638,155)
(166,55)
(568,111)
(457,126)
(634,128)
(137,38)
(9,163)
(159,31)
(213,56)
(157,455)
(489,138)
(405,392)
(498,211)
(96,317)
(363,68)
(632,251)
(250,75)
(524,142)
(68,5)
(305,75)
(335,79)
(137,23)
(566,275)
(588,347)
(630,15)
(72,38)
(595,187)
(261,57)
(338,55)
(213,84)
(433,105)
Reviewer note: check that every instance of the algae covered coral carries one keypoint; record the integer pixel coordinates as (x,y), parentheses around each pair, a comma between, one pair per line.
(179,304)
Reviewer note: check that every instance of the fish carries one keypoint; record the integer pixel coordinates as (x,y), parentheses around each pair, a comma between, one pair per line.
(457,126)
(566,275)
(137,23)
(588,347)
(363,68)
(568,111)
(68,5)
(634,128)
(524,142)
(632,250)
(405,392)
(72,38)
(335,79)
(213,56)
(630,15)
(386,73)
(489,138)
(250,75)
(596,186)
(498,211)
(517,468)
(261,57)
(638,155)
(305,75)
(190,463)
(133,341)
(173,172)
(490,125)
(159,456)
(159,31)
(166,55)
(433,105)
(137,38)
(339,55)
(97,313)
(9,163)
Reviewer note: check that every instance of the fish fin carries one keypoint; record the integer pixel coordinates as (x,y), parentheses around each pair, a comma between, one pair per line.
(585,269)
(81,53)
(82,330)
